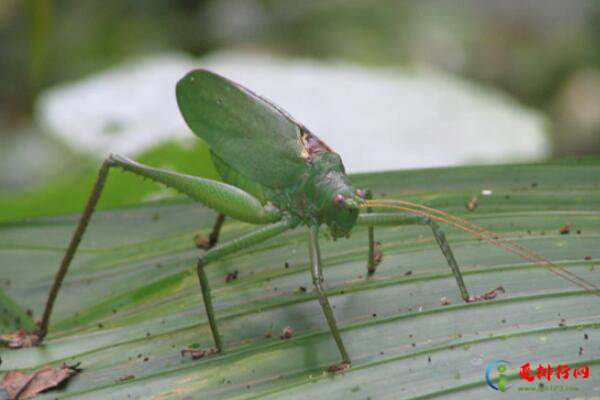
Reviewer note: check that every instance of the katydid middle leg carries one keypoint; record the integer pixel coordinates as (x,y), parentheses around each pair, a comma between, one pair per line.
(230,247)
(213,237)
(382,219)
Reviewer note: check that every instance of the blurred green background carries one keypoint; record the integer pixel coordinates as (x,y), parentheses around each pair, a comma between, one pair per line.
(546,53)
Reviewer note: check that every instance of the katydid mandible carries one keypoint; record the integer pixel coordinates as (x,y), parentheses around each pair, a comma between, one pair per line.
(278,174)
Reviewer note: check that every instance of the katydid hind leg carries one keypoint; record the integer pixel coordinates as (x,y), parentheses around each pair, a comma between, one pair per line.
(214,194)
(72,248)
(317,278)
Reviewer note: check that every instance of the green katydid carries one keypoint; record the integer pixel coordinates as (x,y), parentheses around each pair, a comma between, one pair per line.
(278,174)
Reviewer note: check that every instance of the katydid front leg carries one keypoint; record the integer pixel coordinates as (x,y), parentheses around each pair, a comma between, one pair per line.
(372,259)
(224,198)
(383,219)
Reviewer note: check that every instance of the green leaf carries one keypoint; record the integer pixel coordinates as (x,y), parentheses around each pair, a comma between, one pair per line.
(131,301)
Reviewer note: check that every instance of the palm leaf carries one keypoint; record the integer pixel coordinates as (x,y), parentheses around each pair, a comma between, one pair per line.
(131,301)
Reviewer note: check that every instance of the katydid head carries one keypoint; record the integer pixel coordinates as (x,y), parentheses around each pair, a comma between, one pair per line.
(341,211)
(336,199)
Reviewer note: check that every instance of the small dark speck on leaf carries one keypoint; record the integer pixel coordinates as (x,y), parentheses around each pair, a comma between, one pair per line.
(472,204)
(534,184)
(100,326)
(232,276)
(578,231)
(301,289)
(155,216)
(587,258)
(286,265)
(268,334)
(429,359)
(374,315)
(413,344)
(146,359)
(580,351)
(127,378)
(408,273)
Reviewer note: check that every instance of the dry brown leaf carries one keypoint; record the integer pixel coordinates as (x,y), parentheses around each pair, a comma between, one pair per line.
(21,386)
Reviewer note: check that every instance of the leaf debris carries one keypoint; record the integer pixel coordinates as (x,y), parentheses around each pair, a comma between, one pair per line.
(232,276)
(338,367)
(445,301)
(472,204)
(197,354)
(20,338)
(286,333)
(565,229)
(487,295)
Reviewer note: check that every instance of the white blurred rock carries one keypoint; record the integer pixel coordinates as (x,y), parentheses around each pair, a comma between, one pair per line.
(377,119)
(578,112)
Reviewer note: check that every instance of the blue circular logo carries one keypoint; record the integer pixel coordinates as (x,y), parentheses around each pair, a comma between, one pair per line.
(503,378)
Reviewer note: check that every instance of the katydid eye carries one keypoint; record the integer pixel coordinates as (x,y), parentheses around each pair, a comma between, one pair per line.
(339,200)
